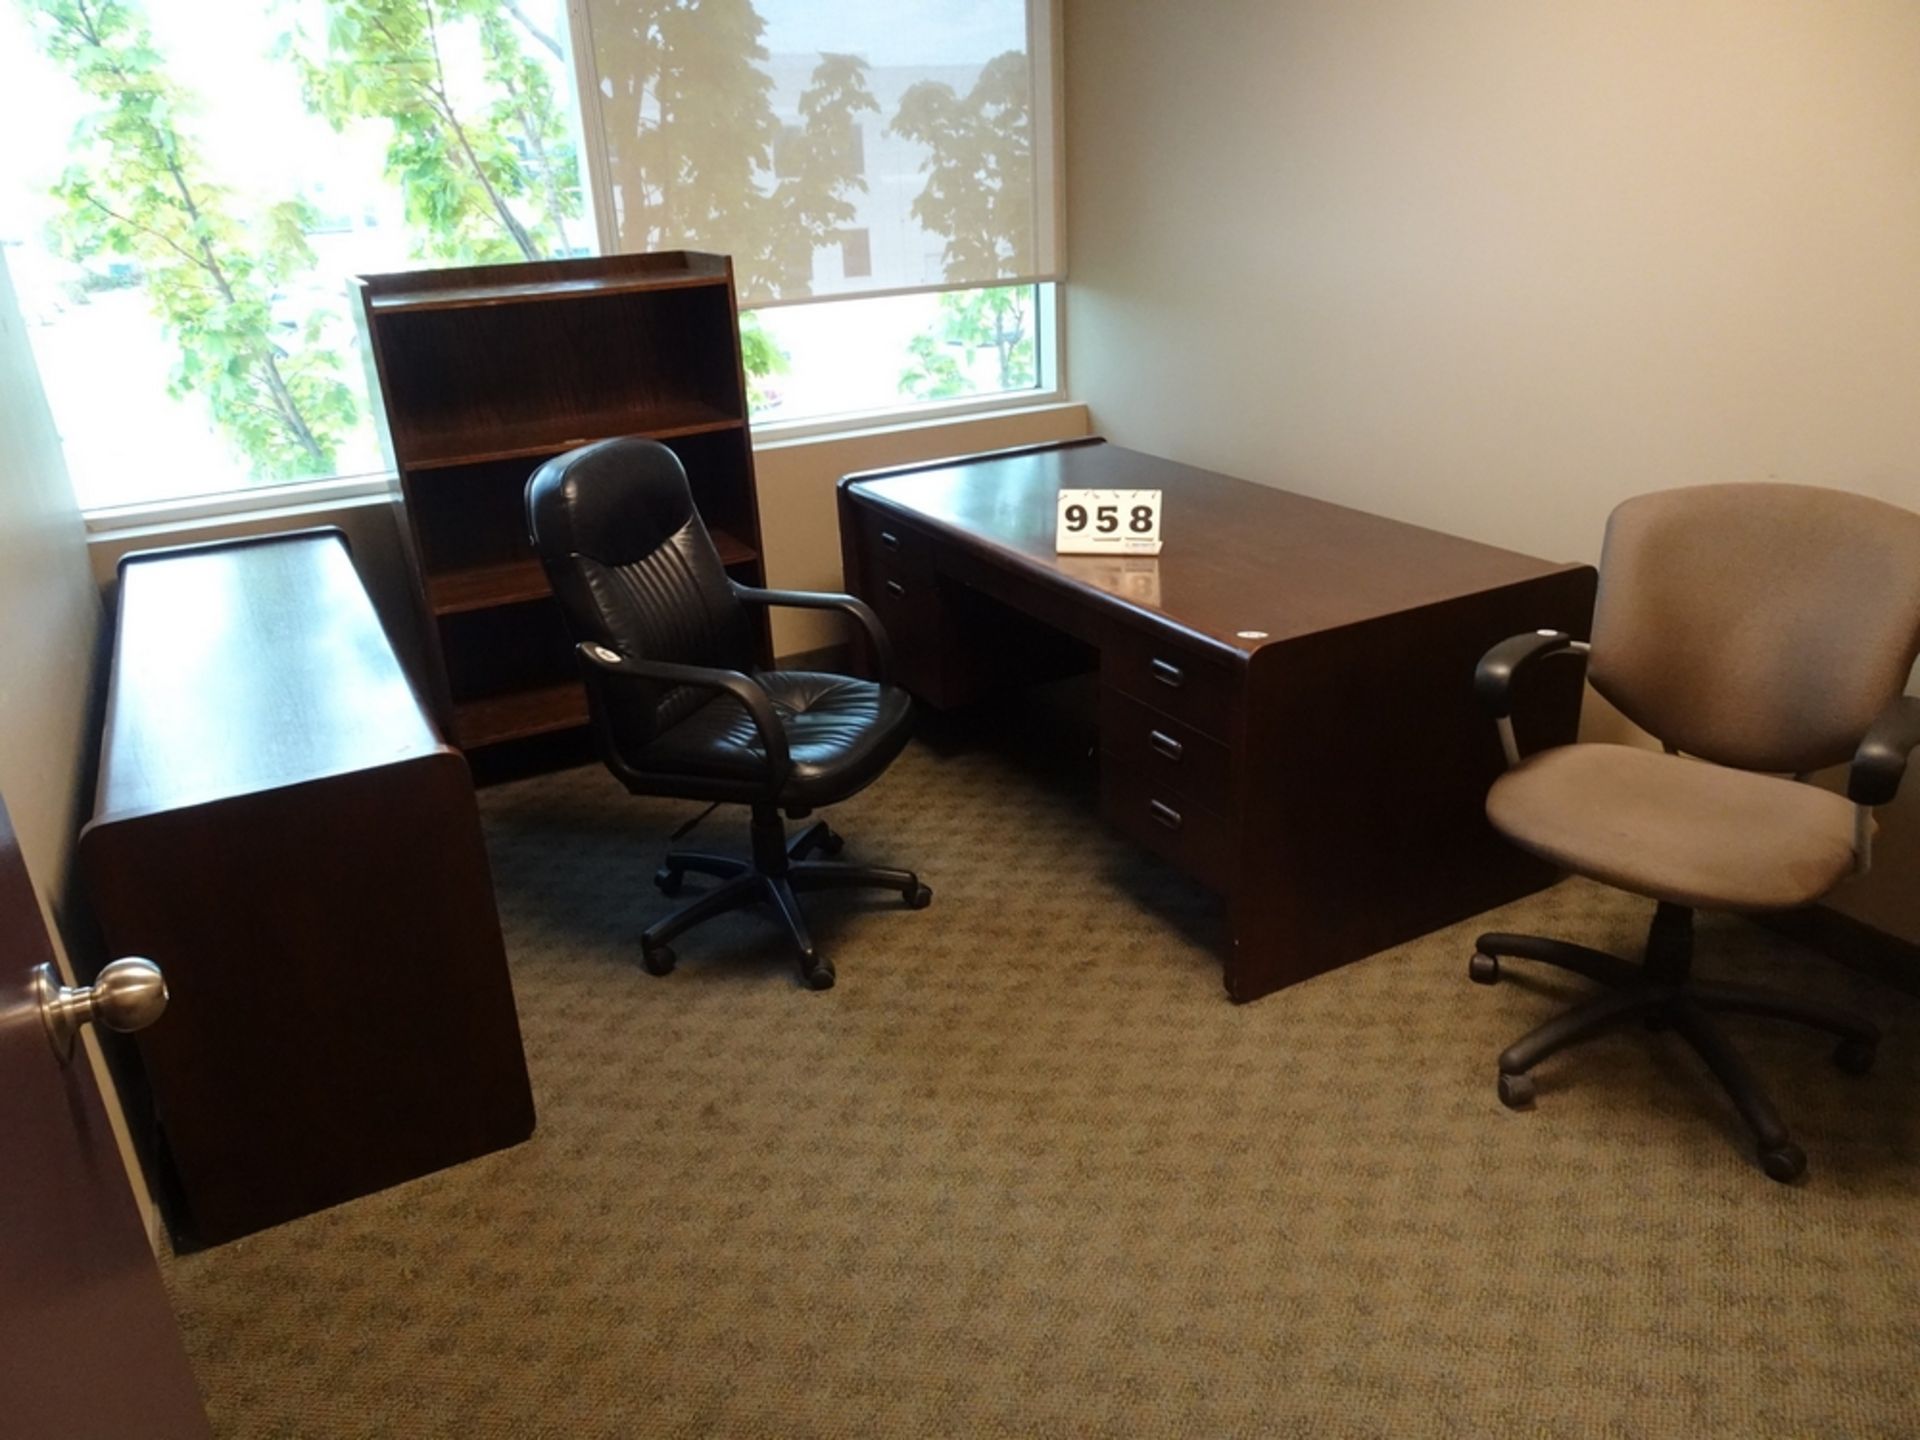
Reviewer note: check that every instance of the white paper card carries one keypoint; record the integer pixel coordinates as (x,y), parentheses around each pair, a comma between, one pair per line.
(1108,522)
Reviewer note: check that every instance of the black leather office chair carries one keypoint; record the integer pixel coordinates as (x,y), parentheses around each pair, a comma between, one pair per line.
(678,708)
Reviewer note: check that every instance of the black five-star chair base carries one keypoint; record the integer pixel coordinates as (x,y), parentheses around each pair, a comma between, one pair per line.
(778,871)
(1662,994)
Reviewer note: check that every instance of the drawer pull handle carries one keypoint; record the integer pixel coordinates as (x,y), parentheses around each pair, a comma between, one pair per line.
(894,587)
(890,540)
(1165,744)
(1167,673)
(1165,814)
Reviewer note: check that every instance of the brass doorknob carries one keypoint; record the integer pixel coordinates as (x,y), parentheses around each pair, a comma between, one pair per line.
(127,994)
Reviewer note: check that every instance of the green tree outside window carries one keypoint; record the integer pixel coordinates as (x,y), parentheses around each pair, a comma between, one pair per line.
(482,181)
(972,320)
(138,189)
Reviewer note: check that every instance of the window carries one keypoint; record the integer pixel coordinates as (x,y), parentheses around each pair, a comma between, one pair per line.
(735,126)
(190,186)
(841,358)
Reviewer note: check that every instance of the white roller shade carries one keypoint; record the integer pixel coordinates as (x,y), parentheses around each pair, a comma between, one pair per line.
(832,147)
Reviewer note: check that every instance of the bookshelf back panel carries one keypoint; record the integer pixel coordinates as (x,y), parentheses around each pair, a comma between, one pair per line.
(516,647)
(471,515)
(719,472)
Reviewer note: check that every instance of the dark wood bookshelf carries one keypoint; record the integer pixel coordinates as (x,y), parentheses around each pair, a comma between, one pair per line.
(485,372)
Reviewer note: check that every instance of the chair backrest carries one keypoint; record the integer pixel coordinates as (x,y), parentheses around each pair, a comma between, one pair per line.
(616,530)
(1761,626)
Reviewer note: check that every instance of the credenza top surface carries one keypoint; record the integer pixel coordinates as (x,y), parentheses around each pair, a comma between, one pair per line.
(246,666)
(1237,556)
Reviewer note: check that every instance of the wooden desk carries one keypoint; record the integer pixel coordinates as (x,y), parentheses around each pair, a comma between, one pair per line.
(281,828)
(1286,698)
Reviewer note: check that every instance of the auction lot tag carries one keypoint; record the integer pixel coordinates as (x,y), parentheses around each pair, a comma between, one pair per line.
(1108,522)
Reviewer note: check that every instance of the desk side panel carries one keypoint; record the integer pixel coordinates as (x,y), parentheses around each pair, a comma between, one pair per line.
(342,1018)
(1367,763)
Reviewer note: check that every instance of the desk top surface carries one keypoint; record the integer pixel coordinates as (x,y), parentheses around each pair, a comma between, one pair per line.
(1237,557)
(246,666)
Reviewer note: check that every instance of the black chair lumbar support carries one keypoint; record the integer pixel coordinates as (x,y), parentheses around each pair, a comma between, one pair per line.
(1761,632)
(679,708)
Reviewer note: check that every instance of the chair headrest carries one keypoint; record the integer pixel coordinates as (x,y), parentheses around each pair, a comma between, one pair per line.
(615,500)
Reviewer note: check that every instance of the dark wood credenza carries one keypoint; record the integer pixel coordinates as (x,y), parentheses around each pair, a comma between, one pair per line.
(1286,707)
(280,826)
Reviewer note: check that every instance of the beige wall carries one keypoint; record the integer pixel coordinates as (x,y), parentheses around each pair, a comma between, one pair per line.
(50,633)
(1493,265)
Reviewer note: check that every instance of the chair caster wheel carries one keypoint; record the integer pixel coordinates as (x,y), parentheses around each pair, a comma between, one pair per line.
(1855,1057)
(669,880)
(918,898)
(1785,1161)
(656,959)
(1483,969)
(817,973)
(831,843)
(1516,1091)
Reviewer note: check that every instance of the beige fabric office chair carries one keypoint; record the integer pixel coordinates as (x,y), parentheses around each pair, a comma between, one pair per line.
(1760,632)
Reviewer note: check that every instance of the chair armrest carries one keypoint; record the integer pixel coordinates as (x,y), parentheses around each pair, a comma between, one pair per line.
(604,664)
(1881,760)
(1500,667)
(826,600)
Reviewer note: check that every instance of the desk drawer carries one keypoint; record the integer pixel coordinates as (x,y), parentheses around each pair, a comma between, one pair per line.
(1166,752)
(1188,836)
(907,605)
(898,565)
(1174,676)
(889,544)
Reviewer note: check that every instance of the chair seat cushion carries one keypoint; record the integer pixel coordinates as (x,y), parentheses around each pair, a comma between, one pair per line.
(1676,829)
(841,733)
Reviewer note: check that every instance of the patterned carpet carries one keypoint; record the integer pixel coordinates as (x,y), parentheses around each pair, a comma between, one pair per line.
(1026,1172)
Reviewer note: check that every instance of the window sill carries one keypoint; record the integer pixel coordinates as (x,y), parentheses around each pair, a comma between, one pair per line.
(160,522)
(259,503)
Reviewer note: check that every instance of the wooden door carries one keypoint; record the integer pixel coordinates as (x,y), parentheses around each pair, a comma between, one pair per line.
(88,1346)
